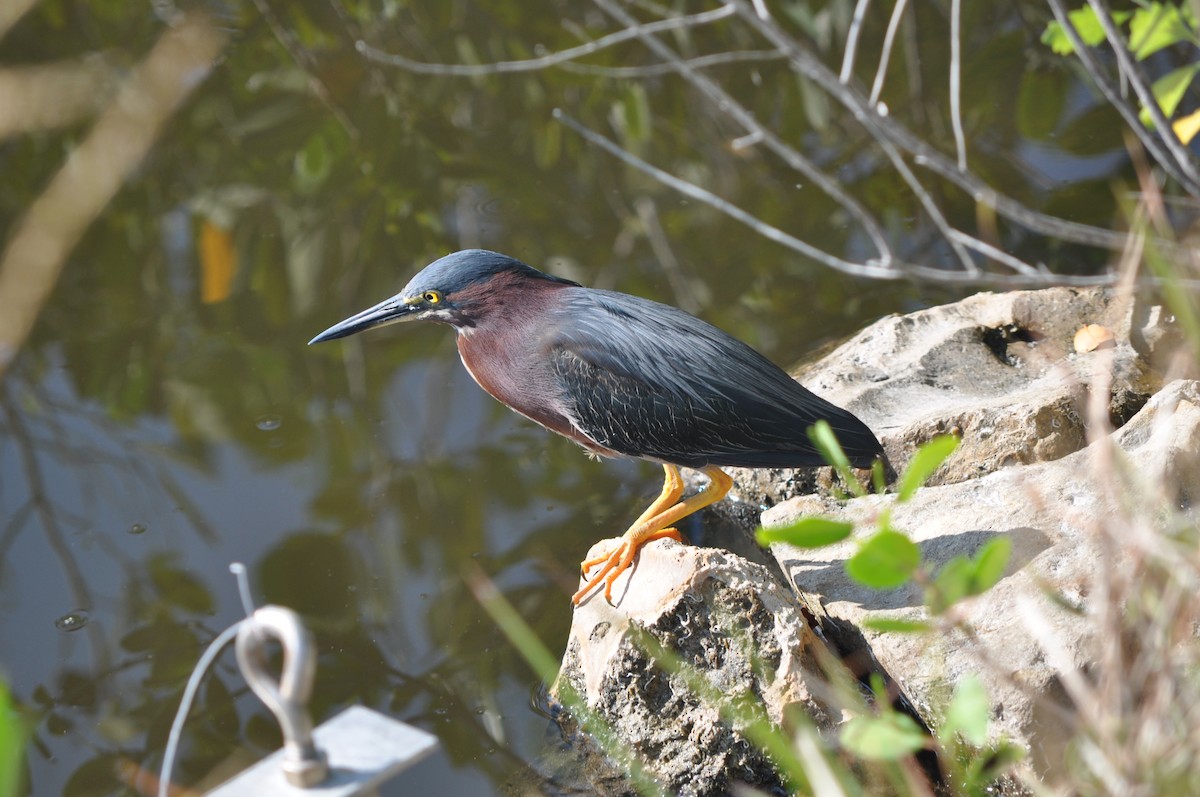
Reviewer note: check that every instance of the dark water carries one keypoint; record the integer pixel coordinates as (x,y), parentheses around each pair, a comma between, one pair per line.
(159,424)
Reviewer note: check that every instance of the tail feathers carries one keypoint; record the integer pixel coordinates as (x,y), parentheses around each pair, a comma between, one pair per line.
(857,441)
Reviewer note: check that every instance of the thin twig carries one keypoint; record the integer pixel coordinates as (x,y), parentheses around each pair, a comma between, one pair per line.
(729,105)
(960,139)
(885,54)
(655,70)
(995,253)
(923,155)
(875,271)
(856,23)
(726,207)
(927,201)
(550,59)
(660,244)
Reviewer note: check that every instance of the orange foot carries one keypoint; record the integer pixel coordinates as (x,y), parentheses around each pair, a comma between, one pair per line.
(618,561)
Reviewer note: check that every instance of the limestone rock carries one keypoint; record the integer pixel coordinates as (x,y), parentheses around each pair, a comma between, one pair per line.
(999,368)
(725,618)
(1050,511)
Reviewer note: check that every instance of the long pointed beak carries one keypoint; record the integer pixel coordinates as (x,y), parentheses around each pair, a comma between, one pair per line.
(390,311)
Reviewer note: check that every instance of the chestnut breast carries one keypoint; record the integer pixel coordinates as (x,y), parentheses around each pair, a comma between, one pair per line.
(507,351)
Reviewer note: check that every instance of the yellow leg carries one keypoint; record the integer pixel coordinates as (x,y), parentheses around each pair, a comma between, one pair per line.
(654,524)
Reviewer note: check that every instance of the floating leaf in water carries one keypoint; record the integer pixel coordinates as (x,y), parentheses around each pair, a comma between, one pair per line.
(218,263)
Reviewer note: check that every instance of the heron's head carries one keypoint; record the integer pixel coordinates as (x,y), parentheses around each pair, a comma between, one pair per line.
(455,290)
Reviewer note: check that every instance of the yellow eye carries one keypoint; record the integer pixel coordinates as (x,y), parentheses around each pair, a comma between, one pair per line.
(433,297)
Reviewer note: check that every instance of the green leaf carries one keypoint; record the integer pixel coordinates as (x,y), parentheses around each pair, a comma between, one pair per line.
(1157,26)
(929,458)
(809,532)
(878,478)
(822,436)
(1168,90)
(962,577)
(821,433)
(885,560)
(951,584)
(12,745)
(968,713)
(888,737)
(1086,25)
(990,564)
(897,625)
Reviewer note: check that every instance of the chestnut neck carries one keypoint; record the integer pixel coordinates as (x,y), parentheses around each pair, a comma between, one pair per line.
(502,301)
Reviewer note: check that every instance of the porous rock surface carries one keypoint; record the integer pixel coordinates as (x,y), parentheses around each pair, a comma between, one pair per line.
(1000,370)
(722,617)
(1051,512)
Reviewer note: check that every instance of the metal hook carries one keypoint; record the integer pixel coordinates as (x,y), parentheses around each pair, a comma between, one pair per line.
(303,764)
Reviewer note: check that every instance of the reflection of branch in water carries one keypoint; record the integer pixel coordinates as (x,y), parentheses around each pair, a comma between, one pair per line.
(13,527)
(38,497)
(305,60)
(11,11)
(38,246)
(130,459)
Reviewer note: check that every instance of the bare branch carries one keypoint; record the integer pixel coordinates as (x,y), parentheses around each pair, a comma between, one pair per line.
(860,11)
(726,207)
(655,70)
(871,270)
(743,116)
(960,139)
(882,128)
(885,55)
(551,59)
(927,202)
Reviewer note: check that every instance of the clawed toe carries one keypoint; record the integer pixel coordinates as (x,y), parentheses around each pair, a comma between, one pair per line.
(616,562)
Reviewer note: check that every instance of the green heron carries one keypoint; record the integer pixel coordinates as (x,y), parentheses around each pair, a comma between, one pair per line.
(622,376)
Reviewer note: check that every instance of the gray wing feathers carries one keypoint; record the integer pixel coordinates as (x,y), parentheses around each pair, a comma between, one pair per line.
(638,387)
